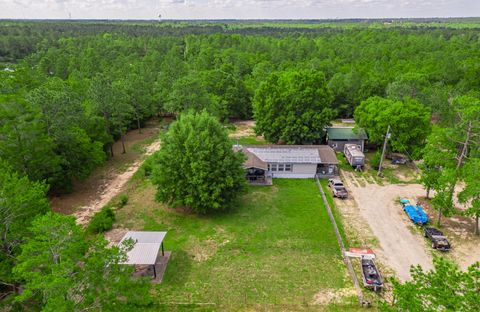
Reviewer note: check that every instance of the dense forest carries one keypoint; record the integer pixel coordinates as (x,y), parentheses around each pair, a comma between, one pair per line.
(69,90)
(110,82)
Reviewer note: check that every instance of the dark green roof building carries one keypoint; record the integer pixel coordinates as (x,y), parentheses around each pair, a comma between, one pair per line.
(337,137)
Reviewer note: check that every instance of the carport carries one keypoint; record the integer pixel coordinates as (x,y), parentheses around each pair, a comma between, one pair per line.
(146,248)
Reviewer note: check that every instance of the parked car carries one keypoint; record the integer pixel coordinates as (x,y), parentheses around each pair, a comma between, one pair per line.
(338,189)
(439,242)
(397,158)
(415,213)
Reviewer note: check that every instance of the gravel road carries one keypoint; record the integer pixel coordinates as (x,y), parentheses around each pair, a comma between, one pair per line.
(378,205)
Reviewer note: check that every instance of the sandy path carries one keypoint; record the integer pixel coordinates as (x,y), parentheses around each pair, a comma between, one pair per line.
(400,247)
(112,188)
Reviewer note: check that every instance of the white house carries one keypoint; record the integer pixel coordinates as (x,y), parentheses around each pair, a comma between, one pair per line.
(288,161)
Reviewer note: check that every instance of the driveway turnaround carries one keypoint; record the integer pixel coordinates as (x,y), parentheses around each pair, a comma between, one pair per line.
(401,247)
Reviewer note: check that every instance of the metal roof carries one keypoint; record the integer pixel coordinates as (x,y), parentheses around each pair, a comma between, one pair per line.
(354,150)
(286,154)
(346,133)
(309,154)
(253,161)
(147,245)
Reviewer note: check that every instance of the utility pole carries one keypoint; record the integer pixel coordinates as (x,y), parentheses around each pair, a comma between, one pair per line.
(387,136)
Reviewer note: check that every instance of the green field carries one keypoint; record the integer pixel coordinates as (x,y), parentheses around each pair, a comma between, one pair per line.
(276,249)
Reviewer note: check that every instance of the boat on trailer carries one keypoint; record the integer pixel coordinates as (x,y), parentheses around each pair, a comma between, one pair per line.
(370,274)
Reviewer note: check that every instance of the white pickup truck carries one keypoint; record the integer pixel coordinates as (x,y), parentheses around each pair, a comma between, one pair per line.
(338,189)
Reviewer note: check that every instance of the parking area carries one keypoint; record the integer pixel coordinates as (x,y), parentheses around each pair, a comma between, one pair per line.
(377,207)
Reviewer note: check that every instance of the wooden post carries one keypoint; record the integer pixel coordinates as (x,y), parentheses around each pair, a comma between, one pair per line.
(163,253)
(154,272)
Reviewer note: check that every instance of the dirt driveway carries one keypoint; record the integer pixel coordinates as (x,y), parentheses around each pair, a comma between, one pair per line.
(400,246)
(113,188)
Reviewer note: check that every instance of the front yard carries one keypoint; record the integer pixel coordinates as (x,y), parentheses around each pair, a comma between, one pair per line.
(277,249)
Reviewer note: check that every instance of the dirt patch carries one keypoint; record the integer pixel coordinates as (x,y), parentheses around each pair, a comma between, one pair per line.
(460,232)
(400,247)
(112,188)
(202,250)
(244,128)
(87,191)
(115,235)
(329,296)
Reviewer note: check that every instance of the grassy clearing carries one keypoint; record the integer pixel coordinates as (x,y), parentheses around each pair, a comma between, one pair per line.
(393,174)
(250,140)
(276,250)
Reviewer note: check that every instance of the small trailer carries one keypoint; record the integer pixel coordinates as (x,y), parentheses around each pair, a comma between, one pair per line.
(415,213)
(354,155)
(370,274)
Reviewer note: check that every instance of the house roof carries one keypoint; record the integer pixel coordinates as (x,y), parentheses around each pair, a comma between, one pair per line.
(253,161)
(346,133)
(147,245)
(306,154)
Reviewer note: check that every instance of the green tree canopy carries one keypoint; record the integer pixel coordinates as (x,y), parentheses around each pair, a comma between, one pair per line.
(471,193)
(190,93)
(24,143)
(63,271)
(20,202)
(409,121)
(293,107)
(196,166)
(63,116)
(445,288)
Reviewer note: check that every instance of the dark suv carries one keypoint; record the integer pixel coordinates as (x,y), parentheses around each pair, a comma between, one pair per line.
(439,241)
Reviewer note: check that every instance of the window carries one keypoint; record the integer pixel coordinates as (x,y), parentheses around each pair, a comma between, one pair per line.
(280,167)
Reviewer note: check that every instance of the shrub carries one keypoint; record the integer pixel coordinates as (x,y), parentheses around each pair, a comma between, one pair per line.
(122,200)
(146,167)
(375,161)
(102,221)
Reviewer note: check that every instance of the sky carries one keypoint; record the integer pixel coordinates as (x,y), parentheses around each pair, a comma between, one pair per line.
(235,9)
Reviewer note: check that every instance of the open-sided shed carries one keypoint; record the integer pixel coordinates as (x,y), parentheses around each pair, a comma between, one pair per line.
(146,248)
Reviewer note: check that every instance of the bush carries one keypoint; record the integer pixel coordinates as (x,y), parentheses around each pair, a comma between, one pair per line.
(375,161)
(146,168)
(122,200)
(102,221)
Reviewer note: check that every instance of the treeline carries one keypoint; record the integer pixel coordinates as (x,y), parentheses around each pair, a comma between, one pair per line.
(63,106)
(21,38)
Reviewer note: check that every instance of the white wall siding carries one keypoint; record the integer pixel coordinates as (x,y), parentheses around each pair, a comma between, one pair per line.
(293,175)
(299,171)
(305,169)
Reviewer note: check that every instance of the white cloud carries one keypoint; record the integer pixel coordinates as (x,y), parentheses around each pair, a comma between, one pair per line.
(175,9)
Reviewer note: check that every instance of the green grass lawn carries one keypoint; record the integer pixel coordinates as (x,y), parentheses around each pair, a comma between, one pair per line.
(276,249)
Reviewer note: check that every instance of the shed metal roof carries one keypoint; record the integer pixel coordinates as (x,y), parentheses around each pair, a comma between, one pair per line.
(346,133)
(146,248)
